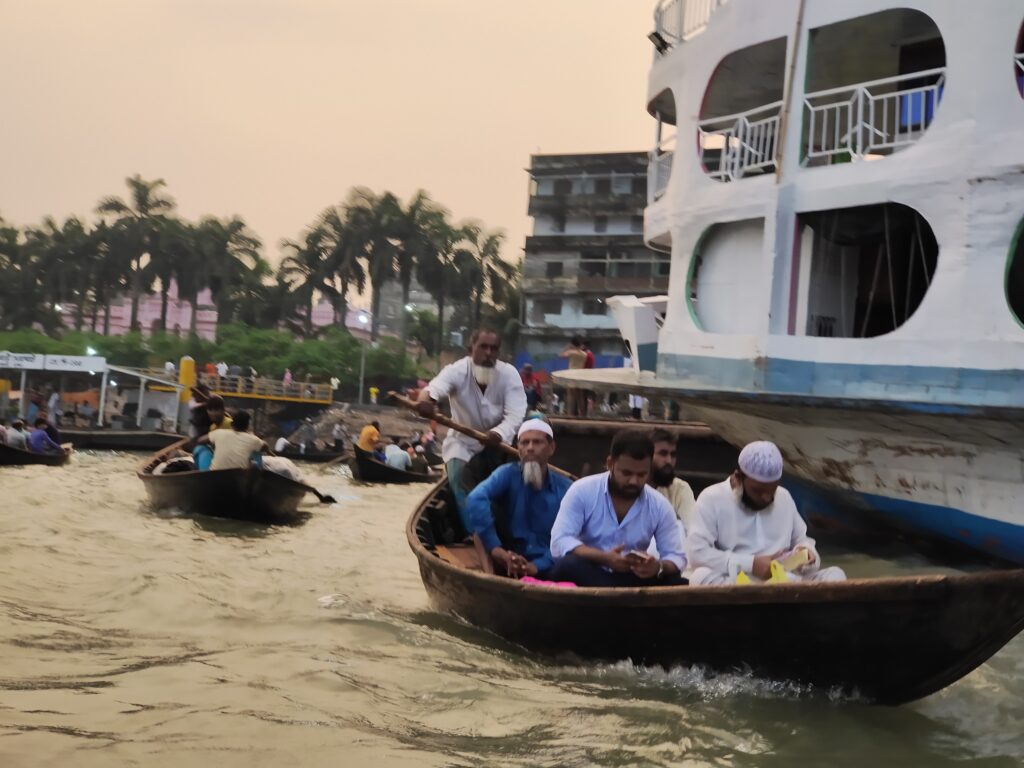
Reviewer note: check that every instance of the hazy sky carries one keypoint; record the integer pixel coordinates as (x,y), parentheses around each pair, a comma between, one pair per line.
(272,109)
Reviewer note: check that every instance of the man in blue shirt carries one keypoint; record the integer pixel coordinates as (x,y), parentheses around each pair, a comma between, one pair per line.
(530,494)
(39,441)
(606,523)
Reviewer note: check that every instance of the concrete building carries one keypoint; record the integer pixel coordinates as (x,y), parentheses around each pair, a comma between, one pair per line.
(587,244)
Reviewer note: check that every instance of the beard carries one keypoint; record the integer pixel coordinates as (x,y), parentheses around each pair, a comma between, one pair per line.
(533,474)
(741,496)
(623,492)
(484,374)
(663,476)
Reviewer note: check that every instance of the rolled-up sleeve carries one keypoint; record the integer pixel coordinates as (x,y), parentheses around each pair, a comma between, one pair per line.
(514,410)
(478,507)
(565,533)
(668,536)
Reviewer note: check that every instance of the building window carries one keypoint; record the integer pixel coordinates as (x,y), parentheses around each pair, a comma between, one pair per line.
(553,269)
(563,186)
(558,223)
(640,185)
(600,223)
(636,224)
(594,307)
(661,268)
(549,306)
(1015,276)
(603,186)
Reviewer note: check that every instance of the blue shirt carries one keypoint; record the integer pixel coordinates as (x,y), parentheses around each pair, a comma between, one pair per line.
(530,512)
(40,442)
(587,518)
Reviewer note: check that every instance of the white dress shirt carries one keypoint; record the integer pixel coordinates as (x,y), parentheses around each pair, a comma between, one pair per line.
(500,409)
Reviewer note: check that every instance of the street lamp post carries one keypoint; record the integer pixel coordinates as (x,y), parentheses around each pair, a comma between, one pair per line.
(363,320)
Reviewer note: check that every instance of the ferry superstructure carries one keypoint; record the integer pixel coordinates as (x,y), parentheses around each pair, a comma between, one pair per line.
(841,188)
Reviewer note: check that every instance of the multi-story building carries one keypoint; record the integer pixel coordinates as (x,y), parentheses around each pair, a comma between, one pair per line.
(587,244)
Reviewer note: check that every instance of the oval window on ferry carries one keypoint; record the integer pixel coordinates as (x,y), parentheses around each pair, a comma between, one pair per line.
(862,271)
(738,129)
(1015,275)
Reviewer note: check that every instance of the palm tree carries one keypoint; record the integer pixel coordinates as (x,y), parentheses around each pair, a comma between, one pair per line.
(438,267)
(344,268)
(306,269)
(374,223)
(493,275)
(231,256)
(139,221)
(415,243)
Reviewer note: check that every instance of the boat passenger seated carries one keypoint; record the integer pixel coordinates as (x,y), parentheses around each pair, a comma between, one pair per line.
(748,520)
(397,456)
(40,442)
(234,448)
(16,436)
(419,463)
(369,437)
(606,522)
(529,495)
(218,419)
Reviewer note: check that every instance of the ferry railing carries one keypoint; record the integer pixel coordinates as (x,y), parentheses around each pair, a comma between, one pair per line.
(659,168)
(259,387)
(738,145)
(874,118)
(679,20)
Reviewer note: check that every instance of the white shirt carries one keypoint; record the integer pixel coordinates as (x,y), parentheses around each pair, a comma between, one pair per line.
(500,409)
(281,445)
(222,369)
(169,367)
(726,535)
(337,432)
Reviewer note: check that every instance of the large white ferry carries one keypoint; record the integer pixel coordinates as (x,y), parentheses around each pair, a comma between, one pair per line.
(841,187)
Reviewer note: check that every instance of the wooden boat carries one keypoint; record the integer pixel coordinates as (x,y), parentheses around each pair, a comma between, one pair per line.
(889,640)
(119,439)
(257,495)
(370,470)
(316,457)
(15,457)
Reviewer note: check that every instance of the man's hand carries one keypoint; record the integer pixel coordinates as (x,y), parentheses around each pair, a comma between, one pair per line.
(515,565)
(426,408)
(613,559)
(493,440)
(645,567)
(811,559)
(763,565)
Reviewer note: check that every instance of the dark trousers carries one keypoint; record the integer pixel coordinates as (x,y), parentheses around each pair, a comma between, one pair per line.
(585,573)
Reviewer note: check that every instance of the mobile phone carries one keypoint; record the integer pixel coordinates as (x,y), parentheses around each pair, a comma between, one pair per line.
(638,553)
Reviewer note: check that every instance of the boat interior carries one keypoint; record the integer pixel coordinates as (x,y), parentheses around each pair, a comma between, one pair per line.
(440,531)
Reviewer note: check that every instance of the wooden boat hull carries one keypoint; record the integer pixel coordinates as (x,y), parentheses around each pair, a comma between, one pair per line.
(250,494)
(889,640)
(119,439)
(315,457)
(368,470)
(15,457)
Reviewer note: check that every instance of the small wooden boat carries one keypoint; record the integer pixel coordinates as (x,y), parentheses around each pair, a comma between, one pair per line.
(370,470)
(252,494)
(15,457)
(890,640)
(119,439)
(316,457)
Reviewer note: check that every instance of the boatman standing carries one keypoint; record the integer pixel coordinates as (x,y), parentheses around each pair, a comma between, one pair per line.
(529,494)
(748,520)
(485,394)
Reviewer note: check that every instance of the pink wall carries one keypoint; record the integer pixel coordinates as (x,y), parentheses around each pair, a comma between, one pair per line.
(179,314)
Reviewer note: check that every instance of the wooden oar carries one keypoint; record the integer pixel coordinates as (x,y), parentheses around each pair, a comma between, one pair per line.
(476,434)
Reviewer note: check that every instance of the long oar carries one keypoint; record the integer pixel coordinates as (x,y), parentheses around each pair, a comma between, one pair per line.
(476,434)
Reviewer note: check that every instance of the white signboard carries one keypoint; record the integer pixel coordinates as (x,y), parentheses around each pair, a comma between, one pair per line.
(76,363)
(20,361)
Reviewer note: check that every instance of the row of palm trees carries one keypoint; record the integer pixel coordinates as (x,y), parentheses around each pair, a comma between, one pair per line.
(139,245)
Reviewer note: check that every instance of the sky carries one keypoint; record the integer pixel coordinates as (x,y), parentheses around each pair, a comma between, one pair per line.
(273,109)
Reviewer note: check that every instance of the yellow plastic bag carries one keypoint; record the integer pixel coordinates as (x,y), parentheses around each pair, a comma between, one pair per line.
(779,575)
(742,578)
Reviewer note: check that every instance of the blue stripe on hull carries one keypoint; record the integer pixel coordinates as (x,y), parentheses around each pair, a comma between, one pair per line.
(859,511)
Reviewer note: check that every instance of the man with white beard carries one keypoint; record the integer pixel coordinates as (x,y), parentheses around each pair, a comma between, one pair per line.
(529,494)
(485,394)
(748,520)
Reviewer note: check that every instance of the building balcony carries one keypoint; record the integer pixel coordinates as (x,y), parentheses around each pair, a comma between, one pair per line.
(564,243)
(596,284)
(869,120)
(744,144)
(593,203)
(676,21)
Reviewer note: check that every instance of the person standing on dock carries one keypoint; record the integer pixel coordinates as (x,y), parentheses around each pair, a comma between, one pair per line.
(748,520)
(485,394)
(575,398)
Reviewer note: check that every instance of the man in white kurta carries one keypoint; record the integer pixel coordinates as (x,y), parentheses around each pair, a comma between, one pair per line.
(485,394)
(748,520)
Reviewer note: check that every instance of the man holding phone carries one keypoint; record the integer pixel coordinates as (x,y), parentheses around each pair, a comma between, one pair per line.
(606,522)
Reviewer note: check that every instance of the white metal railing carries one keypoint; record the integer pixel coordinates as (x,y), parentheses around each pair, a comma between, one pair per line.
(679,20)
(734,146)
(873,118)
(659,168)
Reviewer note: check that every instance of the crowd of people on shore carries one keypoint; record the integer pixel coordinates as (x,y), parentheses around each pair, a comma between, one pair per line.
(635,524)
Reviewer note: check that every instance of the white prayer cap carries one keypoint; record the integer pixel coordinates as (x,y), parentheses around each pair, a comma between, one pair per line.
(761,461)
(536,425)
